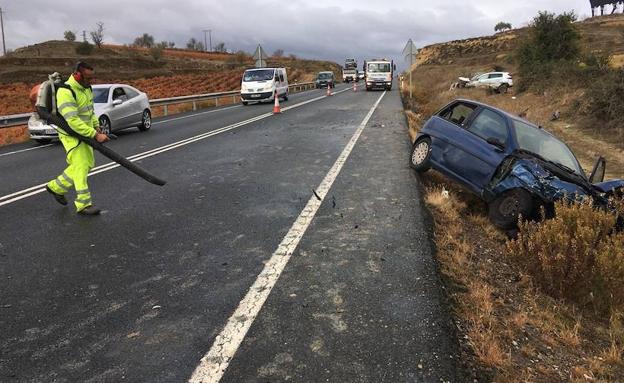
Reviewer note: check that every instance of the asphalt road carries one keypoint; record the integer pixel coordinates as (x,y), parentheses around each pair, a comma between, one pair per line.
(143,292)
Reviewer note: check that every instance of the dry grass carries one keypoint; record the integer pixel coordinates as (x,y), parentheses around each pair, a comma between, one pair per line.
(511,331)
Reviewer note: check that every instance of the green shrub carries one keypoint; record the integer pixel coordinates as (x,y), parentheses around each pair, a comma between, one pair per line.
(551,41)
(575,256)
(84,48)
(606,98)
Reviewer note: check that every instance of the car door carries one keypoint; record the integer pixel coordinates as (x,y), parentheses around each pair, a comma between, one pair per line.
(494,79)
(479,159)
(134,105)
(282,81)
(120,114)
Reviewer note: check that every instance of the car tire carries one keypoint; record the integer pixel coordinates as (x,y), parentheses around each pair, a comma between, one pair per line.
(146,121)
(503,88)
(285,97)
(105,125)
(505,209)
(420,156)
(245,103)
(43,141)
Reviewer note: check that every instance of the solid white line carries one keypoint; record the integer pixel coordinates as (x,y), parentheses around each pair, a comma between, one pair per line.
(33,190)
(213,365)
(26,150)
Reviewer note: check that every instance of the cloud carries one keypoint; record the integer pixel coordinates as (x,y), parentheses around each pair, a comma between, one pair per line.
(321,29)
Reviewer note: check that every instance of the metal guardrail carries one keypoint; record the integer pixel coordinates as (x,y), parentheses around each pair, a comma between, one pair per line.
(22,119)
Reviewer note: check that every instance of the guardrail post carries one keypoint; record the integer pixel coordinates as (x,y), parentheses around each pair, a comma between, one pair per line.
(194,105)
(166,110)
(234,99)
(216,101)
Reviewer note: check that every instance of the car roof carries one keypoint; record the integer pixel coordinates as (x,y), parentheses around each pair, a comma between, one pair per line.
(110,85)
(504,113)
(252,69)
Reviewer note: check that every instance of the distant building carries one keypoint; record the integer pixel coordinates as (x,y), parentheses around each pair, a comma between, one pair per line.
(602,3)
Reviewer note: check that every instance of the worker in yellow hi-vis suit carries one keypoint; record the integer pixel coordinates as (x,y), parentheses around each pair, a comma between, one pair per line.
(74,101)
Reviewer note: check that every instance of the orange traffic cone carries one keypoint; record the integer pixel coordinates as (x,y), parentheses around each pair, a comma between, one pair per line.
(329,92)
(276,107)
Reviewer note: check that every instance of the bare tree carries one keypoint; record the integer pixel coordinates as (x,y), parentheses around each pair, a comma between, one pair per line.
(69,36)
(97,36)
(194,44)
(278,53)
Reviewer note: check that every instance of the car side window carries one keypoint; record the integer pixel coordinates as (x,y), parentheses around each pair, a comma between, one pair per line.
(281,75)
(458,113)
(489,124)
(131,93)
(496,75)
(119,94)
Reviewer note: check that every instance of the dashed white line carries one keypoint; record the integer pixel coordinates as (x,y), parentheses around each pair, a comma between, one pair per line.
(25,150)
(34,190)
(213,365)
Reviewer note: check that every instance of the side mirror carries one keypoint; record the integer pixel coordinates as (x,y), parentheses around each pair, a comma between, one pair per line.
(117,101)
(598,173)
(496,142)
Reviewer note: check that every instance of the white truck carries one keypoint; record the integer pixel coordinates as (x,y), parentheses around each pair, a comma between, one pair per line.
(379,73)
(350,72)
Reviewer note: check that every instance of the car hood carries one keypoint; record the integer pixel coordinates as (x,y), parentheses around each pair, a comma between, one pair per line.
(543,179)
(610,185)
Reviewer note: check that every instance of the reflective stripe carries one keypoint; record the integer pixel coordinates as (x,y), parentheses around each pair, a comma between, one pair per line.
(67,115)
(60,184)
(85,108)
(66,178)
(85,118)
(84,201)
(67,105)
(83,191)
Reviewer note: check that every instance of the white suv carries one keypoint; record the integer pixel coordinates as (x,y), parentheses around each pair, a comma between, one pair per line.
(498,81)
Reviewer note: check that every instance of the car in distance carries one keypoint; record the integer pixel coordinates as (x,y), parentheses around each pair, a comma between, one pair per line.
(325,79)
(262,84)
(497,81)
(515,166)
(118,106)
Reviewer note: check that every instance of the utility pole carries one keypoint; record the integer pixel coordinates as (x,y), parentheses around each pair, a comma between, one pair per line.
(205,42)
(84,36)
(210,34)
(2,26)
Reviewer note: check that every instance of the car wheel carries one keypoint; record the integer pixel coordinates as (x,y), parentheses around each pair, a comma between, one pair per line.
(421,155)
(505,210)
(105,125)
(245,103)
(503,88)
(146,121)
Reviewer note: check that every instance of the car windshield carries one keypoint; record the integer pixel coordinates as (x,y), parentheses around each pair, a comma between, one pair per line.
(545,145)
(259,75)
(378,68)
(100,95)
(324,76)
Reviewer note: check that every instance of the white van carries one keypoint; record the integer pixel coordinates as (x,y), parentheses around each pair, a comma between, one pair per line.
(261,84)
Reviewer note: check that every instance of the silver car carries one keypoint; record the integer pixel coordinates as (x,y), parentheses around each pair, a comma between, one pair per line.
(117,106)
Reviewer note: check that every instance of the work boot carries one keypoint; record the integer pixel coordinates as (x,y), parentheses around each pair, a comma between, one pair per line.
(58,197)
(90,210)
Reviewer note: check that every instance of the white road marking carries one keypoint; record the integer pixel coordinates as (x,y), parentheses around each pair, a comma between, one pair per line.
(34,190)
(25,150)
(213,365)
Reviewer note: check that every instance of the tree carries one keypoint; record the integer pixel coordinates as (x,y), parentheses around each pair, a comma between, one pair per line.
(194,44)
(146,41)
(69,36)
(292,56)
(220,47)
(500,27)
(171,44)
(278,53)
(97,36)
(553,41)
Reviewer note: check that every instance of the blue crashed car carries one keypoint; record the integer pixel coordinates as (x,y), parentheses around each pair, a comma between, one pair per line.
(512,164)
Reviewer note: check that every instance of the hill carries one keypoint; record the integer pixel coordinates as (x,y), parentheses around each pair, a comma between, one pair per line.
(176,72)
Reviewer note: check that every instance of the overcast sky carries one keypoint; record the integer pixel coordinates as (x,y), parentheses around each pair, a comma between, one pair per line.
(319,29)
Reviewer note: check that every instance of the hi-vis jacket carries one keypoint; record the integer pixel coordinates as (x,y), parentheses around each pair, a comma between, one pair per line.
(78,113)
